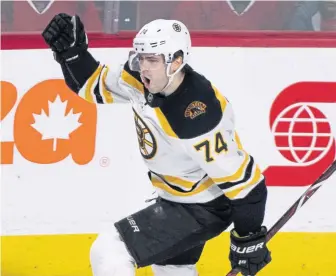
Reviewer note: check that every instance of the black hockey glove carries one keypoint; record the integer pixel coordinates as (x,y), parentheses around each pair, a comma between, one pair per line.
(66,36)
(249,254)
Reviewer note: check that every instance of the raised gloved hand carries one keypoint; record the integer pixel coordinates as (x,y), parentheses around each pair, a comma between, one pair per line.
(249,254)
(66,36)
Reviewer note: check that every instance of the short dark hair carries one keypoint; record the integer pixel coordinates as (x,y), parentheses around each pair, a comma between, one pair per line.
(178,54)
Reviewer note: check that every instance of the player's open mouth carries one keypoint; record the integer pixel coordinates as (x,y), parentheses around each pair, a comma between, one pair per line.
(146,81)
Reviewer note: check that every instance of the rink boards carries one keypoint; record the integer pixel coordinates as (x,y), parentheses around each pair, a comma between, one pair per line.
(62,186)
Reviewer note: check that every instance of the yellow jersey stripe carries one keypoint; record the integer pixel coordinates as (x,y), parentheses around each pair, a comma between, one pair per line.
(237,175)
(254,180)
(178,181)
(237,139)
(164,123)
(106,94)
(89,86)
(202,186)
(220,98)
(132,81)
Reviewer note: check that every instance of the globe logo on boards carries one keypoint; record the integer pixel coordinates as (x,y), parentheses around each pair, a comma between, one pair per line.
(302,134)
(303,130)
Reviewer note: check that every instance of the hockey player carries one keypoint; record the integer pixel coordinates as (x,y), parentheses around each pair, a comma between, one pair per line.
(204,178)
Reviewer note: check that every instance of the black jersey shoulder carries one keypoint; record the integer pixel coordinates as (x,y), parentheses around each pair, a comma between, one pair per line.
(195,108)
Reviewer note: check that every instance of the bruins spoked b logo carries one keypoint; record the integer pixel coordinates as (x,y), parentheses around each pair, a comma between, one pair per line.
(147,143)
(176,27)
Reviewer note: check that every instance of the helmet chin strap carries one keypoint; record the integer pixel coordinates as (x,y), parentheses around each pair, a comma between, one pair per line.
(170,77)
(155,100)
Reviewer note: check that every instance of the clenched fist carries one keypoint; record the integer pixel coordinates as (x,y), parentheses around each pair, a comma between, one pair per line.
(66,37)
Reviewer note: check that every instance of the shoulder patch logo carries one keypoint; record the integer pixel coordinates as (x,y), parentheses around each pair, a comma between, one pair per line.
(195,109)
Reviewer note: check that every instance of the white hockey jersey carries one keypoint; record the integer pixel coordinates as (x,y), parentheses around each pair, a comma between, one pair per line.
(189,143)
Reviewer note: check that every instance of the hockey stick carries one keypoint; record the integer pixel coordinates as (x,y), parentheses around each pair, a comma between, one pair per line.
(295,207)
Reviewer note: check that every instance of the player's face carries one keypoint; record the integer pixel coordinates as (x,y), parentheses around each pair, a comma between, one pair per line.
(153,72)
